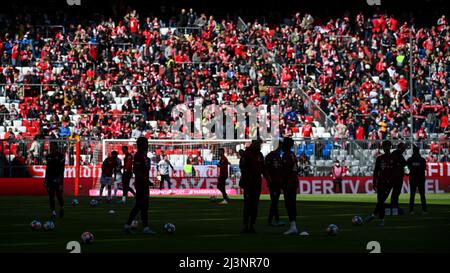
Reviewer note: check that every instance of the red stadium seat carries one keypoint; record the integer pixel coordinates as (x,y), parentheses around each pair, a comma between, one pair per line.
(26,123)
(32,130)
(35,123)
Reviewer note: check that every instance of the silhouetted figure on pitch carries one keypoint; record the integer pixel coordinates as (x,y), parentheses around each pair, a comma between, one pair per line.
(274,169)
(252,170)
(54,178)
(127,173)
(397,176)
(223,176)
(417,166)
(382,181)
(141,169)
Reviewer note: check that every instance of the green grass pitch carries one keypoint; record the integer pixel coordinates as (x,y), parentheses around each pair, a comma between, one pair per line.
(203,226)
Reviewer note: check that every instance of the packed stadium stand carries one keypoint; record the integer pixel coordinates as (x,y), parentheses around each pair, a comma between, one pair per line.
(342,84)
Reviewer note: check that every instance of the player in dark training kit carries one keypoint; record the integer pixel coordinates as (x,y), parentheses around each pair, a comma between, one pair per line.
(54,178)
(223,175)
(127,173)
(289,174)
(417,166)
(382,180)
(397,176)
(274,170)
(141,169)
(252,168)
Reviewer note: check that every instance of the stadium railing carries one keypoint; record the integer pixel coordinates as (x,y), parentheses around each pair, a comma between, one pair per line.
(316,156)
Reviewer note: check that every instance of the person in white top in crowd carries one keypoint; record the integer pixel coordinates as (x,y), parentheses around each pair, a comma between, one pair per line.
(337,173)
(163,169)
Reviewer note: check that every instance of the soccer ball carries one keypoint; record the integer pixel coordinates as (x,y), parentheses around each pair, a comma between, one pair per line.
(169,228)
(134,224)
(75,202)
(49,226)
(213,198)
(332,229)
(93,203)
(357,220)
(87,237)
(36,225)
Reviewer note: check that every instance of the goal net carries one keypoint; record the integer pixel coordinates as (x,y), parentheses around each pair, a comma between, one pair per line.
(194,162)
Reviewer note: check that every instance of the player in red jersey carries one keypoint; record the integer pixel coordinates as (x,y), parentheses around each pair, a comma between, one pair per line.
(382,180)
(127,173)
(109,167)
(223,175)
(141,169)
(274,169)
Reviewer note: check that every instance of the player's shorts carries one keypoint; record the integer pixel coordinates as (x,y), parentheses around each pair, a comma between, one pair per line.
(118,179)
(106,180)
(54,186)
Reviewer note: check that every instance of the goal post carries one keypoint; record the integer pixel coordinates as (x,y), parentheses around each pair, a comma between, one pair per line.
(180,152)
(194,162)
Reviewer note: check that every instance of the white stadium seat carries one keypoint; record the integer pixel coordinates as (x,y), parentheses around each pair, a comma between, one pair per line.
(17,123)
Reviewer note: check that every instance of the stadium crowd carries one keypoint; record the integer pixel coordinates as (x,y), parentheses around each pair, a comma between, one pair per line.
(120,79)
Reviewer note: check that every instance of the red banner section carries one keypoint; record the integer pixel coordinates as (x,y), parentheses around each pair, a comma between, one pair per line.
(307,185)
(208,171)
(38,171)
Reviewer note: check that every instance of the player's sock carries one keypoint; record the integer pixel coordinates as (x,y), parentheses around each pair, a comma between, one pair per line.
(148,231)
(292,229)
(102,187)
(370,217)
(388,211)
(294,225)
(53,214)
(61,212)
(127,229)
